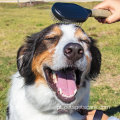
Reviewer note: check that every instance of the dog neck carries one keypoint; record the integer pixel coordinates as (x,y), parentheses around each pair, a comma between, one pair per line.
(20,103)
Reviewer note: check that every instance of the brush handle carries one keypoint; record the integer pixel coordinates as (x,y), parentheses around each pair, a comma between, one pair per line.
(100,13)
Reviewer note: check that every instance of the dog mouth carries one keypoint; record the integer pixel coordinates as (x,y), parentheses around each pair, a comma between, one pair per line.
(64,82)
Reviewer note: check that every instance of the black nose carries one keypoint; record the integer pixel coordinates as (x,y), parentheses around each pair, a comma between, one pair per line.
(73,51)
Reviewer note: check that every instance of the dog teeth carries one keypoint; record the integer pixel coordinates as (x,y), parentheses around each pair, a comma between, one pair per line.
(70,96)
(66,95)
(54,78)
(60,91)
(75,91)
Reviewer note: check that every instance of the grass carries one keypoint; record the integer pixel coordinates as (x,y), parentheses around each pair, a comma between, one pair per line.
(16,23)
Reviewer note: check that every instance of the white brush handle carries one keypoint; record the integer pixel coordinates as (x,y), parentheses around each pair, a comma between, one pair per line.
(100,13)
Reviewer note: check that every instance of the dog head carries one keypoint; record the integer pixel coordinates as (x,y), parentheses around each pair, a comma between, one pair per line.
(57,64)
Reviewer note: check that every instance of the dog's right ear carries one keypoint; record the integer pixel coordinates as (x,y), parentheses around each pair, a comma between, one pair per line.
(24,59)
(21,59)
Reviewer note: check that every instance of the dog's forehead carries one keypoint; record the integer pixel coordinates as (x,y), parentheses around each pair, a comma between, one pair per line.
(69,30)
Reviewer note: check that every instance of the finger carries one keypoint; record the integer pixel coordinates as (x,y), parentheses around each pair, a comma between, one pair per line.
(111,19)
(89,117)
(91,112)
(104,117)
(102,5)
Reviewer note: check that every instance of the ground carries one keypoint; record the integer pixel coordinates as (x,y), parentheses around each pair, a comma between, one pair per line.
(17,23)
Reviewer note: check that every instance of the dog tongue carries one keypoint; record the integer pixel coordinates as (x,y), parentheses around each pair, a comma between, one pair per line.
(66,82)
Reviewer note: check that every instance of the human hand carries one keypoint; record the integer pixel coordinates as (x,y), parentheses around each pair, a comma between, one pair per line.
(114,7)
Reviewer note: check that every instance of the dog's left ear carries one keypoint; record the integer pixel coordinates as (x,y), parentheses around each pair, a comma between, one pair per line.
(96,61)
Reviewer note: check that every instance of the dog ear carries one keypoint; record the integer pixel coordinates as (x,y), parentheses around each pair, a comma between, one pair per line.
(96,61)
(22,59)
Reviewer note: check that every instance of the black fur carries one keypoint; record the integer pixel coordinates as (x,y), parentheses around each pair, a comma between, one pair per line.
(96,60)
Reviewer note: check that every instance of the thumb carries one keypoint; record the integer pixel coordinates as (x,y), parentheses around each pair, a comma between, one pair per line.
(111,19)
(102,5)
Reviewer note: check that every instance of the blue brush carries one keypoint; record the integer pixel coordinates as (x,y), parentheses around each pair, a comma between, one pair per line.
(69,12)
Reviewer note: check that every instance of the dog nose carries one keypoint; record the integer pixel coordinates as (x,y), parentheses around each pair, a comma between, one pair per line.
(73,51)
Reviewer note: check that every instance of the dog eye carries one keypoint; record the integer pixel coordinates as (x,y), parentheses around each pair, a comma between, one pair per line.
(51,38)
(86,41)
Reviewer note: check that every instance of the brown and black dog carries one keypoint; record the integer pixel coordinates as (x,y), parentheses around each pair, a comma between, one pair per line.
(55,67)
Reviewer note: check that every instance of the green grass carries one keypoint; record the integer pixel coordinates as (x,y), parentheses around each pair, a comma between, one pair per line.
(16,23)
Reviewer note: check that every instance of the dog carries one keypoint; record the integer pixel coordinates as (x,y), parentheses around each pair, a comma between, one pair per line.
(55,67)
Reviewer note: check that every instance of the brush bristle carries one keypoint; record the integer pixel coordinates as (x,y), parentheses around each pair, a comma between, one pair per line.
(54,18)
(63,21)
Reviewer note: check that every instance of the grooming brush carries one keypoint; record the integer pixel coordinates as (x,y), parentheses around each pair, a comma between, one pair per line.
(69,12)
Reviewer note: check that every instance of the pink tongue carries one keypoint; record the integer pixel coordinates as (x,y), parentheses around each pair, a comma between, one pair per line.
(66,82)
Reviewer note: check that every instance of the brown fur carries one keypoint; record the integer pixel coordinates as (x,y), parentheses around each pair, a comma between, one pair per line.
(55,32)
(39,61)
